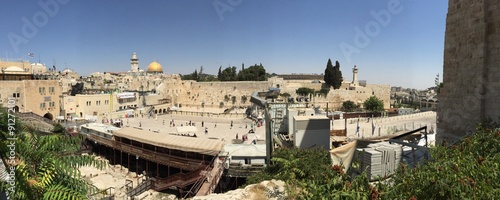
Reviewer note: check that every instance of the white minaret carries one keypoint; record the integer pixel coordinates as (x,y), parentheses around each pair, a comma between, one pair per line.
(355,76)
(134,63)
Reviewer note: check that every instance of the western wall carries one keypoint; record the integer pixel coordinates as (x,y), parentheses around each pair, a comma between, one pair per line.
(471,68)
(191,93)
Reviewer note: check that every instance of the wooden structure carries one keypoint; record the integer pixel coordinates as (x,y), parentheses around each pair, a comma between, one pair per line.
(173,161)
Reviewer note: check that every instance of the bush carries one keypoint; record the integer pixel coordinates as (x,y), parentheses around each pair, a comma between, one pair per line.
(466,170)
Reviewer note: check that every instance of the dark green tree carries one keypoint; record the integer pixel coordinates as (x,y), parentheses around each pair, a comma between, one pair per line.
(374,104)
(195,75)
(286,95)
(349,106)
(324,91)
(225,74)
(304,91)
(244,99)
(219,75)
(337,76)
(234,74)
(253,73)
(329,71)
(58,128)
(233,99)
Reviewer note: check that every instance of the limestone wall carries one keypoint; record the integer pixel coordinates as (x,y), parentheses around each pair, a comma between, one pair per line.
(191,93)
(212,93)
(471,67)
(37,96)
(335,98)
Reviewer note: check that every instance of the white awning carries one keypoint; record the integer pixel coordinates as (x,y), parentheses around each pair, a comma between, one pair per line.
(125,95)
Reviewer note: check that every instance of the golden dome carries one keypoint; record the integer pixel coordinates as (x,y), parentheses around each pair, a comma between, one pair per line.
(155,67)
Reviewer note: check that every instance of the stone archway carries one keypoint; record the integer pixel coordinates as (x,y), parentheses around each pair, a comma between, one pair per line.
(16,109)
(49,116)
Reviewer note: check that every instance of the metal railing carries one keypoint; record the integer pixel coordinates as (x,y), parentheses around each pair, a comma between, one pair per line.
(412,158)
(161,158)
(197,185)
(141,187)
(103,194)
(179,180)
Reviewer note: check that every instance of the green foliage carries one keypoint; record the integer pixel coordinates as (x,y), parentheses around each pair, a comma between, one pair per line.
(292,164)
(304,91)
(47,166)
(328,77)
(253,73)
(208,78)
(324,91)
(244,99)
(58,128)
(349,106)
(467,170)
(337,76)
(286,94)
(374,104)
(333,75)
(192,76)
(228,74)
(233,99)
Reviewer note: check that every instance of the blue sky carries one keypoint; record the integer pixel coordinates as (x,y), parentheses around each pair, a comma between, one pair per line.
(404,47)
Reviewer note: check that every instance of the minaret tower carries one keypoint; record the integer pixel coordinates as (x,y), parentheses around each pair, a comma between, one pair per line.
(355,76)
(134,63)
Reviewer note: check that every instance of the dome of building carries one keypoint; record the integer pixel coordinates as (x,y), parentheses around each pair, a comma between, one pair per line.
(155,67)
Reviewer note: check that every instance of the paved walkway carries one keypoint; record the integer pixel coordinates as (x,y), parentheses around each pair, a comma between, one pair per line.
(220,128)
(217,128)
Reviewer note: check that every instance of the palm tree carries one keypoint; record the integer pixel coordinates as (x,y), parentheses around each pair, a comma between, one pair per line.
(46,167)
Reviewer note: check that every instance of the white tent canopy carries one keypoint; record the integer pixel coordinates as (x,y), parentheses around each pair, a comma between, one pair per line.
(174,108)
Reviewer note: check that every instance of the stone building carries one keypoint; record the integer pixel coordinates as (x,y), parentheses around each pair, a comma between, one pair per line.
(38,96)
(110,95)
(471,68)
(26,94)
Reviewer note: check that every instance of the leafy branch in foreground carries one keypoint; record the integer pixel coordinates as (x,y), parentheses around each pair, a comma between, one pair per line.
(46,166)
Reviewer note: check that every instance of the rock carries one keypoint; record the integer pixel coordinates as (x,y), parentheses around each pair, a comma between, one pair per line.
(273,189)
